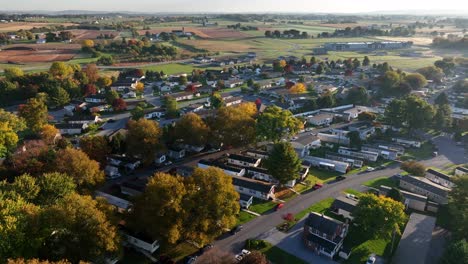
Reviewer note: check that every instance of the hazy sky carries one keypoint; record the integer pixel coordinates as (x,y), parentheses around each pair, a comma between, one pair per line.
(341,6)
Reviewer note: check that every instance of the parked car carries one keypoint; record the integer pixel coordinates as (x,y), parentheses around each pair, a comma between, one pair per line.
(398,175)
(191,260)
(317,186)
(370,169)
(371,259)
(435,153)
(236,229)
(207,247)
(279,206)
(381,167)
(340,178)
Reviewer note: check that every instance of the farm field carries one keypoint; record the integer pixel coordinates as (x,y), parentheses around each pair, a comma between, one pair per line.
(14,26)
(37,53)
(81,34)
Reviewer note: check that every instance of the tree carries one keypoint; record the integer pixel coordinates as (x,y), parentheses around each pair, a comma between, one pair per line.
(78,230)
(33,157)
(418,113)
(96,147)
(367,116)
(85,171)
(379,215)
(171,107)
(111,96)
(92,72)
(365,61)
(216,100)
(395,112)
(358,95)
(183,80)
(283,163)
(432,73)
(442,99)
(255,257)
(16,123)
(390,81)
(140,87)
(327,100)
(119,104)
(456,253)
(447,65)
(395,194)
(58,97)
(159,211)
(461,86)
(354,139)
(60,70)
(192,130)
(12,73)
(89,89)
(458,210)
(87,43)
(319,69)
(414,168)
(275,123)
(443,117)
(143,139)
(233,126)
(416,80)
(211,206)
(49,134)
(36,261)
(137,113)
(104,82)
(53,187)
(34,113)
(297,88)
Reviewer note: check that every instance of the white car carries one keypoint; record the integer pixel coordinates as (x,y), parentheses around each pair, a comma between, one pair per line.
(371,259)
(370,169)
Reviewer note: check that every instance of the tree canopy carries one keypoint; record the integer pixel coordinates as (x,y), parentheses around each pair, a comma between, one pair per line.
(275,123)
(192,130)
(283,163)
(143,139)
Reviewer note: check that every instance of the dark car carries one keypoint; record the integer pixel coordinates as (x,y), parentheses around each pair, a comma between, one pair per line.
(317,186)
(340,178)
(110,120)
(236,230)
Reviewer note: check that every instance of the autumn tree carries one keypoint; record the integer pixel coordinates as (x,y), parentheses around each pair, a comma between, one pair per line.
(414,168)
(34,113)
(85,171)
(192,130)
(298,88)
(159,211)
(275,123)
(78,230)
(283,163)
(96,147)
(60,70)
(33,157)
(367,116)
(255,257)
(143,139)
(104,82)
(36,261)
(49,134)
(53,187)
(140,87)
(111,96)
(233,126)
(119,104)
(12,73)
(89,89)
(211,205)
(379,215)
(92,72)
(87,43)
(216,100)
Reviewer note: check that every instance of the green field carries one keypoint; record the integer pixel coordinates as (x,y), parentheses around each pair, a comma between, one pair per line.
(375,183)
(320,207)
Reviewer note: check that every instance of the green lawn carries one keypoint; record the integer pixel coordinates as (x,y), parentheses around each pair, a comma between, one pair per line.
(375,183)
(274,254)
(178,252)
(362,247)
(261,207)
(316,175)
(424,152)
(172,68)
(352,191)
(244,217)
(320,207)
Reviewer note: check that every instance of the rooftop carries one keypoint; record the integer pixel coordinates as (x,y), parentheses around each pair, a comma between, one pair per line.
(426,185)
(439,174)
(243,158)
(252,184)
(323,223)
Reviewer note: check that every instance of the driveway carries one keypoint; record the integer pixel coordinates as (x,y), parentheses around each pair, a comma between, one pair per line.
(292,243)
(448,148)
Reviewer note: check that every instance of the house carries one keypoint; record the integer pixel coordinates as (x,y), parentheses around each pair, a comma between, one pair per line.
(124,162)
(383,151)
(324,235)
(258,189)
(411,200)
(183,96)
(356,163)
(363,154)
(407,142)
(261,174)
(193,108)
(344,206)
(304,143)
(367,46)
(121,204)
(233,101)
(320,119)
(124,85)
(245,200)
(364,129)
(259,154)
(160,158)
(96,98)
(87,119)
(425,187)
(233,83)
(459,171)
(245,161)
(112,172)
(154,113)
(185,171)
(139,240)
(415,242)
(71,129)
(230,170)
(128,95)
(133,187)
(41,41)
(327,164)
(439,178)
(176,153)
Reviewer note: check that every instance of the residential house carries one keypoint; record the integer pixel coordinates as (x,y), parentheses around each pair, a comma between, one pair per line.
(344,206)
(258,189)
(96,98)
(154,113)
(415,243)
(245,161)
(185,171)
(183,96)
(124,85)
(324,235)
(139,240)
(320,119)
(327,164)
(459,171)
(160,158)
(423,186)
(121,204)
(407,142)
(363,154)
(193,108)
(112,172)
(259,154)
(88,119)
(176,153)
(356,163)
(386,152)
(339,139)
(71,129)
(233,83)
(411,200)
(231,170)
(304,143)
(233,101)
(245,200)
(439,178)
(364,129)
(124,162)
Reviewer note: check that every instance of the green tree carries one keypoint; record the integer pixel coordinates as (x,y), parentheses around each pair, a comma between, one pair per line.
(58,97)
(84,171)
(78,230)
(354,139)
(216,100)
(413,168)
(379,215)
(456,253)
(53,187)
(396,195)
(395,112)
(443,117)
(442,99)
(390,82)
(171,107)
(192,130)
(283,163)
(137,113)
(447,65)
(143,139)
(358,95)
(211,206)
(275,123)
(327,100)
(458,208)
(418,113)
(159,211)
(367,116)
(183,80)
(34,113)
(416,80)
(111,96)
(365,61)
(60,70)
(432,73)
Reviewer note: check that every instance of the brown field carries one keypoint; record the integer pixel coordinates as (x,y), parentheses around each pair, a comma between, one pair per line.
(14,26)
(29,53)
(421,41)
(208,33)
(81,34)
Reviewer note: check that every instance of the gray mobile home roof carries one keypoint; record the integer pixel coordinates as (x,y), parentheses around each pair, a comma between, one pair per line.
(439,174)
(426,184)
(243,158)
(460,168)
(252,184)
(323,223)
(344,203)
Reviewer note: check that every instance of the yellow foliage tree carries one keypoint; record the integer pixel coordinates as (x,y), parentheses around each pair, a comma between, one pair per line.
(298,88)
(283,63)
(88,43)
(140,87)
(49,134)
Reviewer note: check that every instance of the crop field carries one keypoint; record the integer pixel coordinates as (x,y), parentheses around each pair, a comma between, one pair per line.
(37,53)
(81,34)
(202,32)
(15,26)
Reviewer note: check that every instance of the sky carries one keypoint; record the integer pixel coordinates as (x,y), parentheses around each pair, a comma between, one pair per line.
(231,6)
